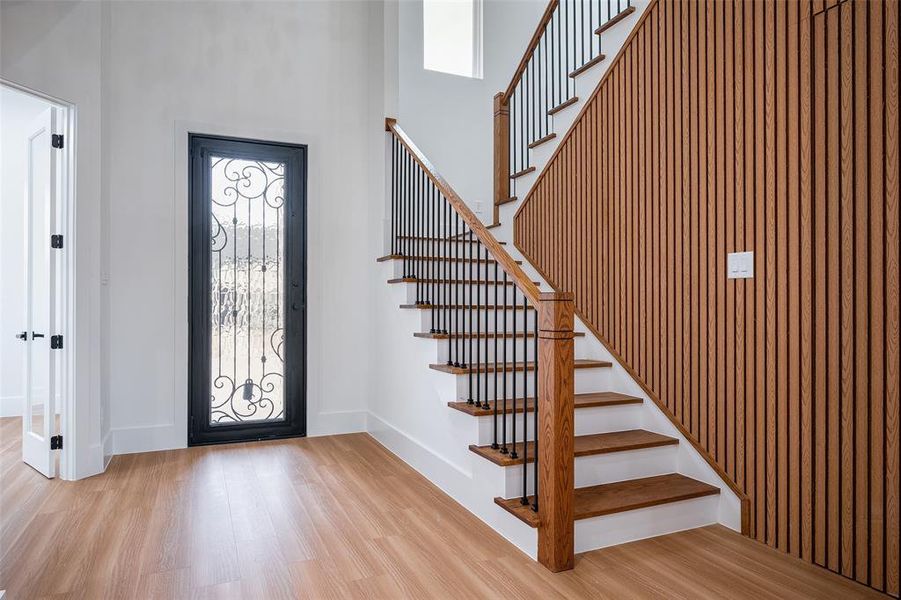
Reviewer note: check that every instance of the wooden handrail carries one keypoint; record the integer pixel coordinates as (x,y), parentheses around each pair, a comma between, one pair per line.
(530,49)
(506,262)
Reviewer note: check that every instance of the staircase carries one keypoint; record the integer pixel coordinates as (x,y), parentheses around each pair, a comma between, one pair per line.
(567,452)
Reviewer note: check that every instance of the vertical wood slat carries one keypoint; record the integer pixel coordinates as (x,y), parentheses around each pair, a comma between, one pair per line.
(764,126)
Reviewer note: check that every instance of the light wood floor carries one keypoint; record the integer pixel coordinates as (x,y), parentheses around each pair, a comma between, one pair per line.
(327,517)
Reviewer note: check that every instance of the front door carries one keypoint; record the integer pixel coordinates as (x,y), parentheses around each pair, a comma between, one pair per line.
(247,290)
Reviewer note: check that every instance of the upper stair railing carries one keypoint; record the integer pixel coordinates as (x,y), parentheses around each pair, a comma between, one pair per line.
(565,43)
(512,342)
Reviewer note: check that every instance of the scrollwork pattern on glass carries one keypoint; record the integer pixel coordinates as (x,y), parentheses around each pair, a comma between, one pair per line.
(247,282)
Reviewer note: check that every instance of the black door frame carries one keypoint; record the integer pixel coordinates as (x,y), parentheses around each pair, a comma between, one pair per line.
(200,431)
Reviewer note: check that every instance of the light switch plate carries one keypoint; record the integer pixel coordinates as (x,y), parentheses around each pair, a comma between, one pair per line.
(740,265)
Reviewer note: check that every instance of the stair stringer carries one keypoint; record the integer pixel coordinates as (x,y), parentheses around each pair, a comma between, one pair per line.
(725,509)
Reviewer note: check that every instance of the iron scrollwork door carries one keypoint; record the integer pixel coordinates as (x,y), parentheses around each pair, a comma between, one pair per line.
(247,290)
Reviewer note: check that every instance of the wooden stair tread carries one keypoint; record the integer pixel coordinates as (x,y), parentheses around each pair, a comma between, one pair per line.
(582,363)
(622,496)
(575,73)
(438,259)
(584,445)
(615,20)
(540,141)
(590,400)
(506,201)
(453,281)
(472,334)
(563,105)
(465,306)
(525,171)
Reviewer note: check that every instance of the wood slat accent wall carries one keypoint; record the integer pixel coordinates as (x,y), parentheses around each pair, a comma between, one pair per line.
(766,126)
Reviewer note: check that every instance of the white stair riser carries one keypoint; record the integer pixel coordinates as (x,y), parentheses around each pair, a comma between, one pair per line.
(443,349)
(598,419)
(587,380)
(446,269)
(478,320)
(619,528)
(461,294)
(487,352)
(603,468)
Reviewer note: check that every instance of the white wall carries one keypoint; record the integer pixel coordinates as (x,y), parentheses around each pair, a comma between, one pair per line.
(55,47)
(301,72)
(143,74)
(451,117)
(17,114)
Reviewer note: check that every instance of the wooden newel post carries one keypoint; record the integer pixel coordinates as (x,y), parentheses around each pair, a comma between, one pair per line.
(501,152)
(556,462)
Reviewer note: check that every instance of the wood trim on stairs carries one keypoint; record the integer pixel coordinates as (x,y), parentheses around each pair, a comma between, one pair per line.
(589,400)
(622,496)
(582,363)
(583,445)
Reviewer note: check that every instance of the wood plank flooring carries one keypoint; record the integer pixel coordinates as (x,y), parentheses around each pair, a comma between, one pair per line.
(332,517)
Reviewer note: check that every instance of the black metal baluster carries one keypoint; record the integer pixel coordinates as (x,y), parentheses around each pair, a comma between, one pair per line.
(560,51)
(535,413)
(420,265)
(575,47)
(582,29)
(414,223)
(525,420)
(523,157)
(478,288)
(513,454)
(530,85)
(402,207)
(410,203)
(494,444)
(435,253)
(485,338)
(504,449)
(393,198)
(456,300)
(442,265)
(591,29)
(433,257)
(542,86)
(467,249)
(446,292)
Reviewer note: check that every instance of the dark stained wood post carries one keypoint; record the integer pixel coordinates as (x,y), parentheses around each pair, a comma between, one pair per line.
(556,462)
(501,153)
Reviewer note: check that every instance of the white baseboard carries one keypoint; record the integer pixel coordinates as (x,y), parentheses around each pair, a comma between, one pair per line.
(153,438)
(473,489)
(150,438)
(11,406)
(336,423)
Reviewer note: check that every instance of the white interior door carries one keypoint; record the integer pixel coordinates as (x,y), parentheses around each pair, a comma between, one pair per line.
(39,421)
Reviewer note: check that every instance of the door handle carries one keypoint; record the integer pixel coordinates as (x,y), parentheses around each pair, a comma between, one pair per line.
(34,335)
(22,336)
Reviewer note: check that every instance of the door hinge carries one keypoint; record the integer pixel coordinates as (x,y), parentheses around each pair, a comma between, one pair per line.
(56,240)
(56,442)
(56,342)
(57,140)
